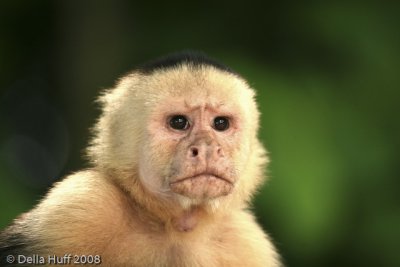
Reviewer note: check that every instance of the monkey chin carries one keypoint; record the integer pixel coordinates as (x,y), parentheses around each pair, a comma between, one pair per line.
(202,187)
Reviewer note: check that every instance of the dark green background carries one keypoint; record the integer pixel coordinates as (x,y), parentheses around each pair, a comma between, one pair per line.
(327,76)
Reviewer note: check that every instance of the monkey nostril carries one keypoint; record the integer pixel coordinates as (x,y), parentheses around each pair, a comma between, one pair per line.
(195,152)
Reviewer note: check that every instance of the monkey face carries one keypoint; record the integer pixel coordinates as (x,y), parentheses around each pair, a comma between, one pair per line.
(202,166)
(198,135)
(197,143)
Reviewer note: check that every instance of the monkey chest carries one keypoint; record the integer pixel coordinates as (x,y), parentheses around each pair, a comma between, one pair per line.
(153,250)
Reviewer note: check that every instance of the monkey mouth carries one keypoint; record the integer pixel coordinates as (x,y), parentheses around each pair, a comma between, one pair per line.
(202,186)
(202,176)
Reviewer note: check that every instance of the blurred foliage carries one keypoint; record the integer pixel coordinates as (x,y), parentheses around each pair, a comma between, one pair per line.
(327,77)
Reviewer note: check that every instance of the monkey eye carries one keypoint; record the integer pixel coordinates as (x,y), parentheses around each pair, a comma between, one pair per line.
(221,123)
(179,122)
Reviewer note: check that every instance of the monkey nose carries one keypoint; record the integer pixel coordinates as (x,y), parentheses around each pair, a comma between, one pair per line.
(194,152)
(197,152)
(205,152)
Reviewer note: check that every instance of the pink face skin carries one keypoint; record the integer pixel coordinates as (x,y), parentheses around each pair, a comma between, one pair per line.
(199,157)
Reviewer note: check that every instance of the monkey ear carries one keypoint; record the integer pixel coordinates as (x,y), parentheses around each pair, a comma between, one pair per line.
(124,85)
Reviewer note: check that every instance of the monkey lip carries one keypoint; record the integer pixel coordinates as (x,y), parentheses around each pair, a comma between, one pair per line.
(202,186)
(204,176)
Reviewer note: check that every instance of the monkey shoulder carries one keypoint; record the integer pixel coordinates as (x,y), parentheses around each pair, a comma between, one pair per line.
(78,215)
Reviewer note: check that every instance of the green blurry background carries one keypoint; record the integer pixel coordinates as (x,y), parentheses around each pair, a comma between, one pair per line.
(327,77)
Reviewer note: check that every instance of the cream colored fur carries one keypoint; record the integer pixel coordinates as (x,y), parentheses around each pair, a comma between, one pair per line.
(122,210)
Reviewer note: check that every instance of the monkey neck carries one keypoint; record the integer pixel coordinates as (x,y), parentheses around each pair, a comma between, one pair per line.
(188,220)
(166,214)
(170,216)
(162,213)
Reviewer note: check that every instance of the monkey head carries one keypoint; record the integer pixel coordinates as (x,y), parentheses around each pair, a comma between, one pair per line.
(187,133)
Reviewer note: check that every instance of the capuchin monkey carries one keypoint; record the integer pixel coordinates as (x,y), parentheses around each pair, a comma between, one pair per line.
(175,160)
